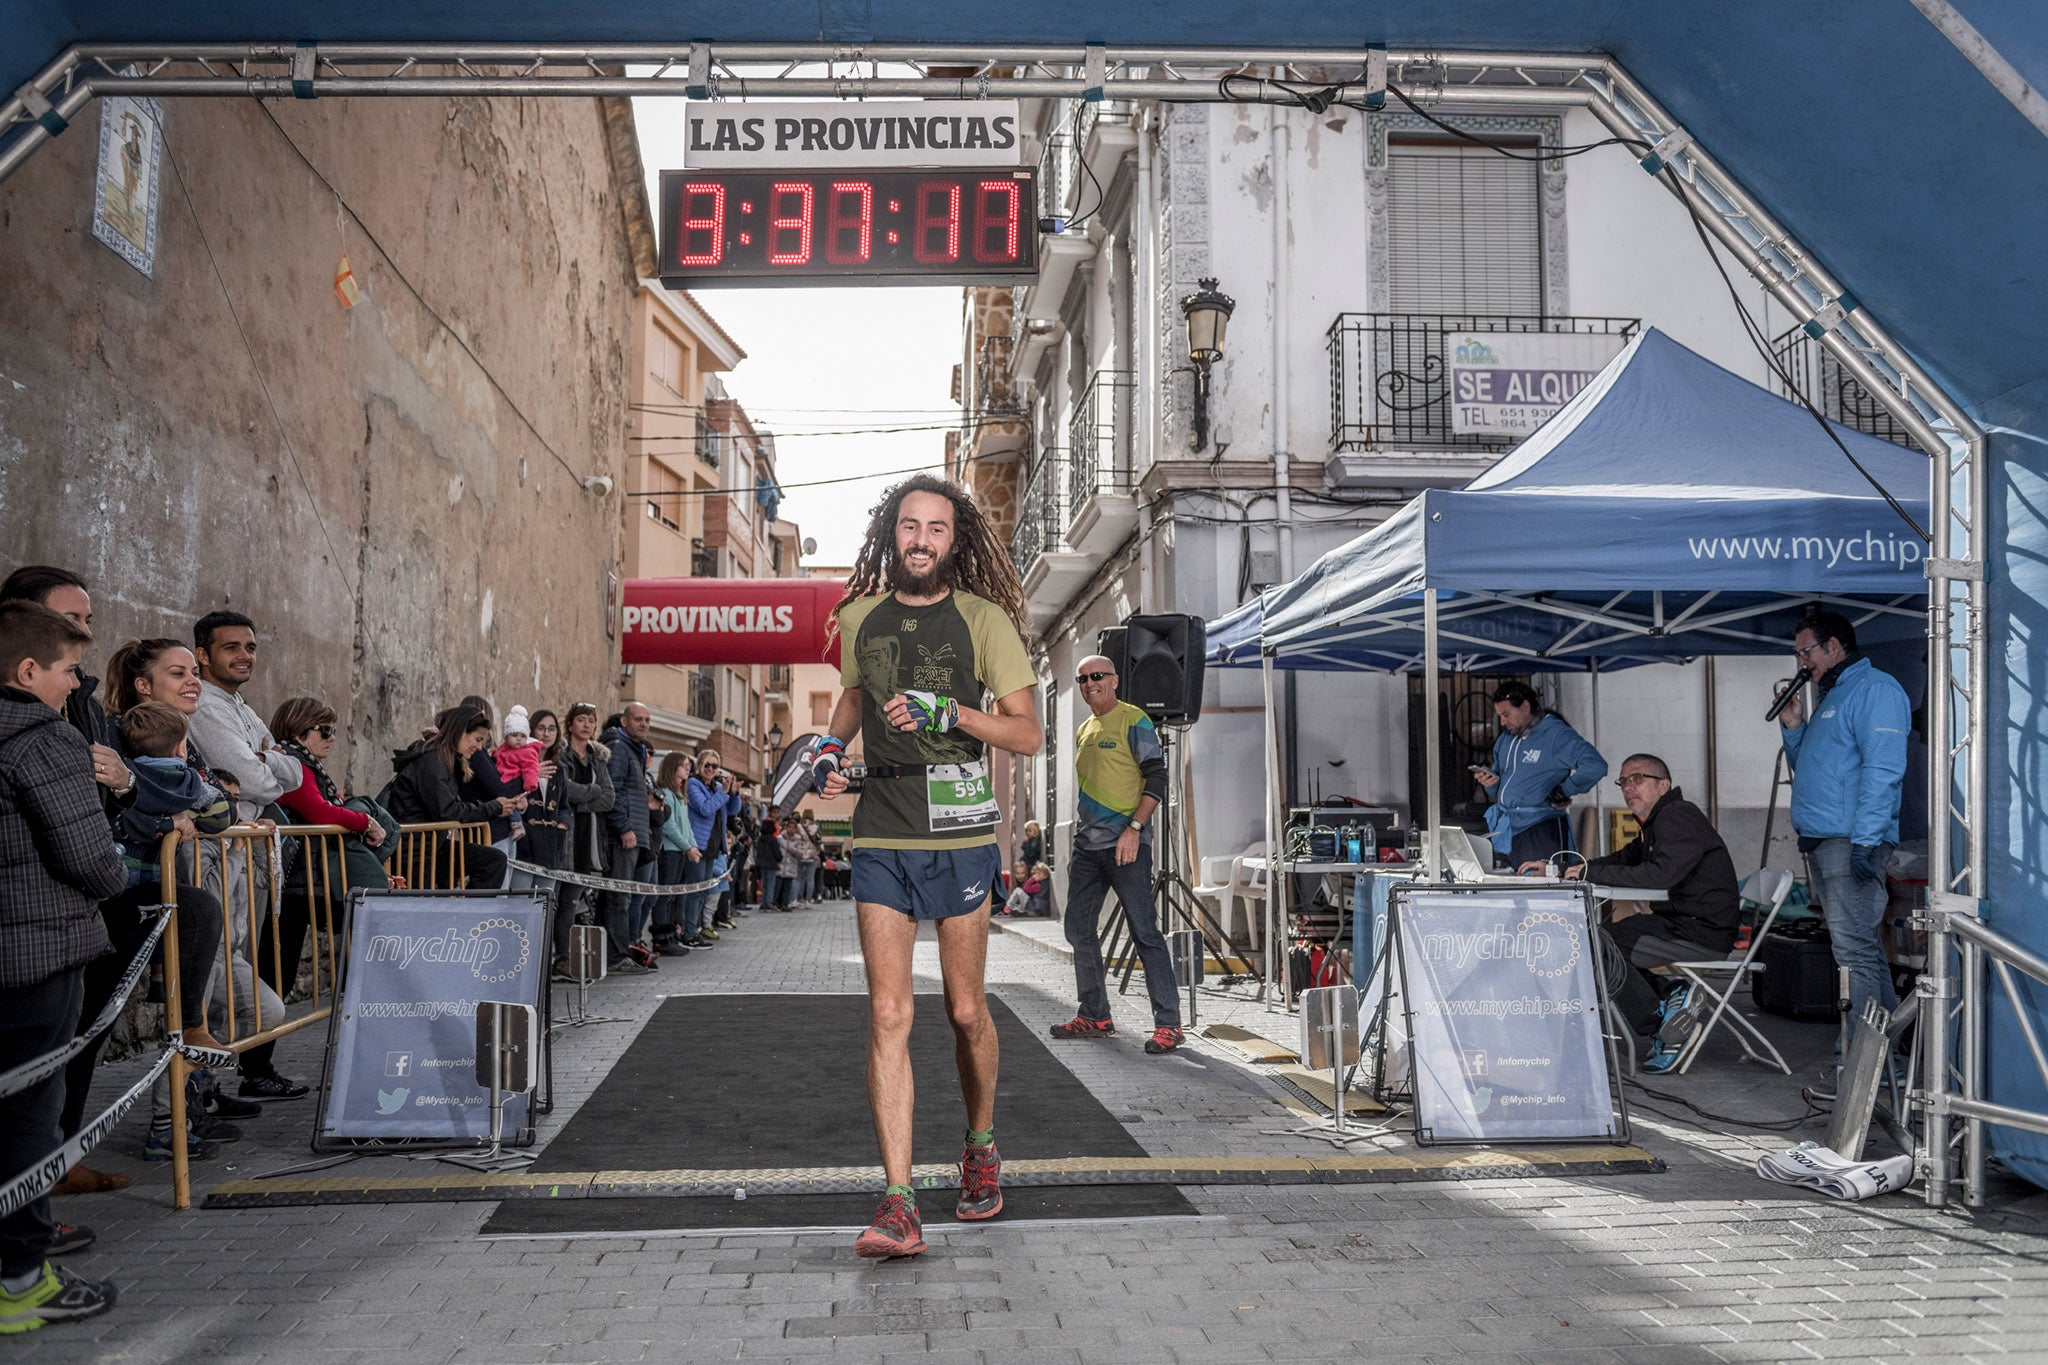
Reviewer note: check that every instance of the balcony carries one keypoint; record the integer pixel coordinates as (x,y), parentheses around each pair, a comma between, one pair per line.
(703,695)
(710,441)
(1060,198)
(1105,510)
(1045,559)
(778,680)
(1390,391)
(1832,389)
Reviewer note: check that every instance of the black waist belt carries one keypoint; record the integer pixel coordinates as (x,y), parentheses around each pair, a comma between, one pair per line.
(895,770)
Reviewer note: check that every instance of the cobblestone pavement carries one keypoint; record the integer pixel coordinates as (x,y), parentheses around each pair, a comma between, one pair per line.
(1703,1262)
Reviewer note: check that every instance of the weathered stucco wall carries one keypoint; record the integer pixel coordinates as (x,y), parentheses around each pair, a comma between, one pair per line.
(393,491)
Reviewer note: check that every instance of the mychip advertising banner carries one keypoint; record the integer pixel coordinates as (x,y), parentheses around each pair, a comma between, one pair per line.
(402,1054)
(1502,992)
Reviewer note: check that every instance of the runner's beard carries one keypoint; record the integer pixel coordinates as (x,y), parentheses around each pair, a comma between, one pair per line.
(934,580)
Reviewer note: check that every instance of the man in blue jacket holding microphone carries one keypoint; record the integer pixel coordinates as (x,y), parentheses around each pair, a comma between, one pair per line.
(1539,764)
(1848,768)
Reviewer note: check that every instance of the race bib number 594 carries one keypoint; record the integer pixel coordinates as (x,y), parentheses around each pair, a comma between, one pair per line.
(958,796)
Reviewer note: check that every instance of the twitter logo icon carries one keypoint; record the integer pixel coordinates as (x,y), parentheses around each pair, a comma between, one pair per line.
(391,1101)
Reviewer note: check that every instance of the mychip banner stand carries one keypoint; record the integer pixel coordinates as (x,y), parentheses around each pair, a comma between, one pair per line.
(402,1043)
(1504,1003)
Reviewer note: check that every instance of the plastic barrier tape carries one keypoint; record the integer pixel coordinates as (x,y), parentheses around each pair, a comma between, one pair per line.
(612,883)
(39,1179)
(50,1063)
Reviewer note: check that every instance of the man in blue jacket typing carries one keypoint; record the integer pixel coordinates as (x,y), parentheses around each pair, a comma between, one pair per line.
(1848,766)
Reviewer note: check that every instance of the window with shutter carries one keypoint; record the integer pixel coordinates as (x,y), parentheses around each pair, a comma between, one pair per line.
(1464,231)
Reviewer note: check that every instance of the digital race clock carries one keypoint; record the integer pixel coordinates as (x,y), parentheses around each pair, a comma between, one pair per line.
(859,227)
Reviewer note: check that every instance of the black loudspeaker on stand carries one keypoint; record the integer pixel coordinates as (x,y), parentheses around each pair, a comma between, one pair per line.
(1158,662)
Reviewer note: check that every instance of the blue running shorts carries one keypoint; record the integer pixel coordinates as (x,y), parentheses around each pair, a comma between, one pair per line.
(935,883)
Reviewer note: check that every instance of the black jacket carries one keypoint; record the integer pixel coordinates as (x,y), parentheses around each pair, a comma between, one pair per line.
(1679,851)
(57,855)
(424,791)
(562,815)
(485,786)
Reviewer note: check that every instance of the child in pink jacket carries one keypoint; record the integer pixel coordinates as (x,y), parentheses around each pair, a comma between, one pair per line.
(518,759)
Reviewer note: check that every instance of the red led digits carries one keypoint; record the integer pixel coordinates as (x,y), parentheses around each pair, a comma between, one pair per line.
(943,224)
(712,224)
(850,218)
(781,223)
(997,213)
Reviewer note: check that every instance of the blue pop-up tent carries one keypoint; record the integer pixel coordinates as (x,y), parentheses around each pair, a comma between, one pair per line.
(1670,510)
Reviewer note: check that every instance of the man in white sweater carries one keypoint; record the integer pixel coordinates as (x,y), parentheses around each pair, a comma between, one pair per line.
(233,740)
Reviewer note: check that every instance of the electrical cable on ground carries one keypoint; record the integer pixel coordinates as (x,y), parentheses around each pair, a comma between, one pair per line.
(1761,1125)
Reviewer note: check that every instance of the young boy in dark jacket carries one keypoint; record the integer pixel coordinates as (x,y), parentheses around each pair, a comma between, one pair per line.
(166,786)
(57,863)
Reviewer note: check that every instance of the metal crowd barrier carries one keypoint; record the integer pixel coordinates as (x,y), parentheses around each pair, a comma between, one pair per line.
(259,873)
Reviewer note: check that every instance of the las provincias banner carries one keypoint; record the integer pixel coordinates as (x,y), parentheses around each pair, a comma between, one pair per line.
(728,620)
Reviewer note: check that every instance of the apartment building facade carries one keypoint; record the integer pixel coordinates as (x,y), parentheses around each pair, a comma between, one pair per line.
(1356,247)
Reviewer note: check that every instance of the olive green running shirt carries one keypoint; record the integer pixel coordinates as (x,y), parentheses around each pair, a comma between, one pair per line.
(961,646)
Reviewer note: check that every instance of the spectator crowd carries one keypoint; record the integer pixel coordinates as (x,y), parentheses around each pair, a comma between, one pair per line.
(94,774)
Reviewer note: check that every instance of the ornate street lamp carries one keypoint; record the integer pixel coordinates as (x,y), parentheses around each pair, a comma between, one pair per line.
(1208,315)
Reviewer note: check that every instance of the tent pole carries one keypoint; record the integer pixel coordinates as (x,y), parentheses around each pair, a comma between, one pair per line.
(1599,797)
(1432,743)
(1271,908)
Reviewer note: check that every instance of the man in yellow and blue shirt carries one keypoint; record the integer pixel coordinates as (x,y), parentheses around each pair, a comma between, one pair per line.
(1120,771)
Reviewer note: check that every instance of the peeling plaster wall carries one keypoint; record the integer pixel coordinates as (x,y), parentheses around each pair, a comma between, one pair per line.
(392,491)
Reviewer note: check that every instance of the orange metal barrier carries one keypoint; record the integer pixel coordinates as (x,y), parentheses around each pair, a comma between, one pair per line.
(253,858)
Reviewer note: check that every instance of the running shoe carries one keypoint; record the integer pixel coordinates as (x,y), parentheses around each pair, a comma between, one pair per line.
(1661,1057)
(222,1105)
(1081,1026)
(897,1230)
(626,966)
(1675,1018)
(1164,1040)
(643,955)
(207,1128)
(981,1194)
(708,931)
(70,1239)
(690,943)
(270,1087)
(61,1295)
(157,1147)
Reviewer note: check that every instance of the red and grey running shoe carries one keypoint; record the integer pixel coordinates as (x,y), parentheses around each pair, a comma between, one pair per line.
(981,1194)
(1163,1041)
(896,1231)
(1081,1026)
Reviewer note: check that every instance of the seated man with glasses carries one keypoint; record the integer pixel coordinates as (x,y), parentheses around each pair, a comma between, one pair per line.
(1678,852)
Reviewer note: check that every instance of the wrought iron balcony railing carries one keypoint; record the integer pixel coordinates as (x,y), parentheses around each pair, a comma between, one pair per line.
(1099,437)
(1390,380)
(1832,389)
(703,695)
(710,441)
(1042,516)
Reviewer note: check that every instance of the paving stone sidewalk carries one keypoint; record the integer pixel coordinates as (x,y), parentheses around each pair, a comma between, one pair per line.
(1702,1262)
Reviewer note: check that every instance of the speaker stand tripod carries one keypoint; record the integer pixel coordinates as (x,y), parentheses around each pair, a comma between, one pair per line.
(1174,900)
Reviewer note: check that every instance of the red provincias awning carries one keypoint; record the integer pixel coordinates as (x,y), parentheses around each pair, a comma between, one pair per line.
(728,620)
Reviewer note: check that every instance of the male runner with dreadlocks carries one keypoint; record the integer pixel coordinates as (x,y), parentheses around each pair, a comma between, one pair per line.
(928,628)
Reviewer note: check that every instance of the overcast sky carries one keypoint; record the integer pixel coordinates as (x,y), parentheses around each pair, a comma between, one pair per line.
(827,361)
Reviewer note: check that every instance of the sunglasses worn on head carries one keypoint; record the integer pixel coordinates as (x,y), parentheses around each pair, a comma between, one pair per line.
(1092,677)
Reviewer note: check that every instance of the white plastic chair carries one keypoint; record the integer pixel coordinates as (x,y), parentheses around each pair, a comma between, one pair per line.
(1770,886)
(1226,880)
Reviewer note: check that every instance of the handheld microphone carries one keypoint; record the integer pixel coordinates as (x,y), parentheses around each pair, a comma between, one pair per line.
(1784,699)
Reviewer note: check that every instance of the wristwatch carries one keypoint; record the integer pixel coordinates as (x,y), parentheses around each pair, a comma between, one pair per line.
(1138,825)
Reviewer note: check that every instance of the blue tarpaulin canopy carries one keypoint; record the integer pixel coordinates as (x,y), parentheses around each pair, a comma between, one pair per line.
(1671,509)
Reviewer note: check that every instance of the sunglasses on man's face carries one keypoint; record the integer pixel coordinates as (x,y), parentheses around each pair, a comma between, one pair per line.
(1092,677)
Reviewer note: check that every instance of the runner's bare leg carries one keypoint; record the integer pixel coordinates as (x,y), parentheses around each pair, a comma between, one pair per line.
(963,963)
(887,939)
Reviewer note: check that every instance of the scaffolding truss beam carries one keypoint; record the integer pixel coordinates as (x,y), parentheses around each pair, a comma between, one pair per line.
(1956,612)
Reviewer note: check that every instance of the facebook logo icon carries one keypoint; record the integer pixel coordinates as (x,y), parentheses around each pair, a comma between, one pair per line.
(398,1063)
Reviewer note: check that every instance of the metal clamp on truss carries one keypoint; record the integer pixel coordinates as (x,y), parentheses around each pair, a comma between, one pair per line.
(697,85)
(305,62)
(1954,570)
(1830,314)
(1668,146)
(40,110)
(1095,70)
(1376,76)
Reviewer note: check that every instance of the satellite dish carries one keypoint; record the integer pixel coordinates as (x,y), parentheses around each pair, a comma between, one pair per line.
(810,545)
